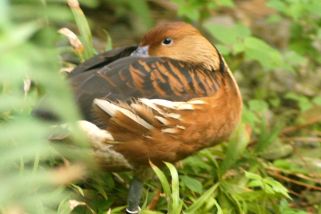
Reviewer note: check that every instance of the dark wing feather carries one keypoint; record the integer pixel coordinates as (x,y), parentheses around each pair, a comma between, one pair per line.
(129,78)
(102,59)
(89,66)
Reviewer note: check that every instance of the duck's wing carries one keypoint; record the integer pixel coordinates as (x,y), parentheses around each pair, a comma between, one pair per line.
(131,78)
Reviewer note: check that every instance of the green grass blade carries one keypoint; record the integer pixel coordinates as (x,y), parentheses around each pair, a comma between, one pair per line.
(176,204)
(267,136)
(83,27)
(109,41)
(201,200)
(162,178)
(235,148)
(150,212)
(218,207)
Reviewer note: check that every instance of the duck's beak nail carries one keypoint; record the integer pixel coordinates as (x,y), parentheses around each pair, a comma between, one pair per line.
(141,51)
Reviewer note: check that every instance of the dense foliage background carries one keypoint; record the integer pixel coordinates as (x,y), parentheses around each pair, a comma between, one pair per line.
(272,164)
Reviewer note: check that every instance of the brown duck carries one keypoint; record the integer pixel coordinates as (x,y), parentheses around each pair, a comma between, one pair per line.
(163,100)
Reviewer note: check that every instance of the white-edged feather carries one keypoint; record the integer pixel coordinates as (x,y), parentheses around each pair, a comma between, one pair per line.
(173,115)
(180,127)
(112,109)
(94,133)
(164,103)
(184,106)
(154,103)
(170,130)
(102,142)
(162,120)
(197,102)
(106,106)
(149,103)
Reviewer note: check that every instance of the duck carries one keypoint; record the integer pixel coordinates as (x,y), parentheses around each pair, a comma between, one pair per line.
(162,100)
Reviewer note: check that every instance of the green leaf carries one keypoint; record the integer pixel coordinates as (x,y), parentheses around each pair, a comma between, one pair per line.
(258,105)
(64,207)
(317,100)
(201,200)
(218,207)
(189,9)
(284,208)
(141,8)
(258,50)
(278,5)
(192,183)
(228,35)
(303,102)
(4,13)
(226,3)
(176,205)
(109,41)
(162,178)
(150,212)
(235,148)
(268,135)
(17,36)
(251,175)
(90,3)
(268,184)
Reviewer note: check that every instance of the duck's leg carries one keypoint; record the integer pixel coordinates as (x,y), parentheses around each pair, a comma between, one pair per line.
(141,174)
(134,195)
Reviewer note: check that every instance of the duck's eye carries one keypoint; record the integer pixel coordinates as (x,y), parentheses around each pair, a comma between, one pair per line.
(167,41)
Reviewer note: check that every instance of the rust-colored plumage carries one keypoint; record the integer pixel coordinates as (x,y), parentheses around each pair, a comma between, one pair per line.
(170,100)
